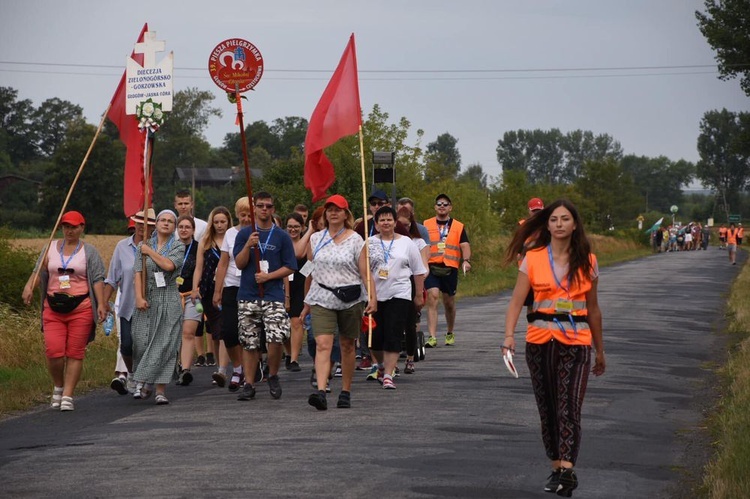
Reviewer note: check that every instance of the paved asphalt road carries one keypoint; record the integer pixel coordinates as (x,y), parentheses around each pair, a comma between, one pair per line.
(459,427)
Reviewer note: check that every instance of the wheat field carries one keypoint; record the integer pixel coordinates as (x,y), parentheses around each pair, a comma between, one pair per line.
(104,244)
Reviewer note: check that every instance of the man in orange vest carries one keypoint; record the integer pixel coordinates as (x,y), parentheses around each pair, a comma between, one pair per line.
(722,237)
(449,245)
(740,233)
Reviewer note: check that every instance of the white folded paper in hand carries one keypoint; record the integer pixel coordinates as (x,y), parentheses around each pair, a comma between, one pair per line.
(508,358)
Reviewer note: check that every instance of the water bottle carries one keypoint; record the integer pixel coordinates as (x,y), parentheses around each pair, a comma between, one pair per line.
(109,323)
(198,306)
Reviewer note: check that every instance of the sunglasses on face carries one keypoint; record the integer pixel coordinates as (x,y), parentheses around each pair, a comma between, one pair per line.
(442,204)
(267,206)
(378,203)
(62,271)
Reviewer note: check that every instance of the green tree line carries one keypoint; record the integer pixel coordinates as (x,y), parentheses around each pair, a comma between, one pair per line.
(42,147)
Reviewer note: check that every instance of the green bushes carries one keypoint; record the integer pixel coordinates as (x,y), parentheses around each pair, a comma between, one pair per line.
(15,267)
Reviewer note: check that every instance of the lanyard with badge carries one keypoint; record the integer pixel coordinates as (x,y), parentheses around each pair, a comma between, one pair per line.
(383,270)
(263,247)
(181,280)
(443,230)
(64,277)
(161,281)
(309,266)
(562,306)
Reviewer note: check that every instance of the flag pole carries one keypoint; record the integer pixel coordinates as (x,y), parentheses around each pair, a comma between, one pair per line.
(146,196)
(70,193)
(367,231)
(248,180)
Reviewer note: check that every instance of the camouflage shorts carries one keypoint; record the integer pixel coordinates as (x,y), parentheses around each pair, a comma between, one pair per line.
(257,315)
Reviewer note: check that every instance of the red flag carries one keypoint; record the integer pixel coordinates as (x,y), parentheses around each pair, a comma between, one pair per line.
(337,115)
(134,139)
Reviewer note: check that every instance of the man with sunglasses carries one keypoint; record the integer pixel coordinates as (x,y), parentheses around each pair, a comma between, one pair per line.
(265,255)
(449,245)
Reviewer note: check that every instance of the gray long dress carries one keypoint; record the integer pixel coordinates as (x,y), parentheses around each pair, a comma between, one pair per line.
(157,331)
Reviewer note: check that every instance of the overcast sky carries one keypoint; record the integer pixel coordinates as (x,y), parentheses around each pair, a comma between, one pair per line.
(475,47)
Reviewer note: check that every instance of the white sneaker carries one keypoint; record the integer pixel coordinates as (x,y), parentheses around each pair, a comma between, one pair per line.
(67,404)
(137,392)
(131,384)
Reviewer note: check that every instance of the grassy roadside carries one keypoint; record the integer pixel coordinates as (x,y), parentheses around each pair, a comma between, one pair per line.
(24,381)
(728,473)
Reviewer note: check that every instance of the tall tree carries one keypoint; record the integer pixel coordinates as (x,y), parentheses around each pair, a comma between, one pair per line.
(443,158)
(605,206)
(51,121)
(16,120)
(725,155)
(474,174)
(658,180)
(550,157)
(726,26)
(276,139)
(180,141)
(98,193)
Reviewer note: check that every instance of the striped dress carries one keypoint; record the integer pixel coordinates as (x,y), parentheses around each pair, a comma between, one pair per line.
(157,331)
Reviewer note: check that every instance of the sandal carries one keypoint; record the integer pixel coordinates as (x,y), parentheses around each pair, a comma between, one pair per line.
(66,404)
(56,397)
(161,399)
(147,391)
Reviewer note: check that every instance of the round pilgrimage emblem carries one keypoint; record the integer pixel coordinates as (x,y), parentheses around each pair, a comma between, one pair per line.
(235,63)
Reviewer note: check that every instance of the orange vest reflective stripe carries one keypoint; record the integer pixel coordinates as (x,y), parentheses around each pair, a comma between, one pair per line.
(451,255)
(547,293)
(732,236)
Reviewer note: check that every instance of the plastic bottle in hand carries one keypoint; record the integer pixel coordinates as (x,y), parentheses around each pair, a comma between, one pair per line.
(198,306)
(109,323)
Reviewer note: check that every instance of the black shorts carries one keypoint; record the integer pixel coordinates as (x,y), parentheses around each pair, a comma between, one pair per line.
(447,284)
(229,322)
(391,320)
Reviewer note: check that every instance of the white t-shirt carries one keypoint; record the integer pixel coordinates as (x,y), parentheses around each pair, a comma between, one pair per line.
(401,258)
(335,265)
(200,228)
(233,273)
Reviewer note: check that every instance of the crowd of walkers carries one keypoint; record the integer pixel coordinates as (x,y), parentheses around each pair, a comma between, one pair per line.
(696,236)
(255,285)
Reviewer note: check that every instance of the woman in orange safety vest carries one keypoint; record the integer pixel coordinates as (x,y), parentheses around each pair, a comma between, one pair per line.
(732,243)
(564,322)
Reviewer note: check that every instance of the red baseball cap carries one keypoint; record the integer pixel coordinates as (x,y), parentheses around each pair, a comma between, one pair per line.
(536,204)
(72,218)
(338,200)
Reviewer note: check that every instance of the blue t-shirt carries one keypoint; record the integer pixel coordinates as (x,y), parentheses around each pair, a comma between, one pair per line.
(277,248)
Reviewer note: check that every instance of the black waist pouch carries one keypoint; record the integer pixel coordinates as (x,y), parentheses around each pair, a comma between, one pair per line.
(63,303)
(347,294)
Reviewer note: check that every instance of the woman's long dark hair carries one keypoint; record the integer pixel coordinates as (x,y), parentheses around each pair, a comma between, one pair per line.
(535,229)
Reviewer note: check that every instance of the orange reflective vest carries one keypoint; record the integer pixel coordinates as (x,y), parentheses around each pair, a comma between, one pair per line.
(722,232)
(741,232)
(557,314)
(732,236)
(446,249)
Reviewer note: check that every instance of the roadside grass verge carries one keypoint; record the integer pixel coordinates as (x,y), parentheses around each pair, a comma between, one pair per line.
(728,473)
(24,380)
